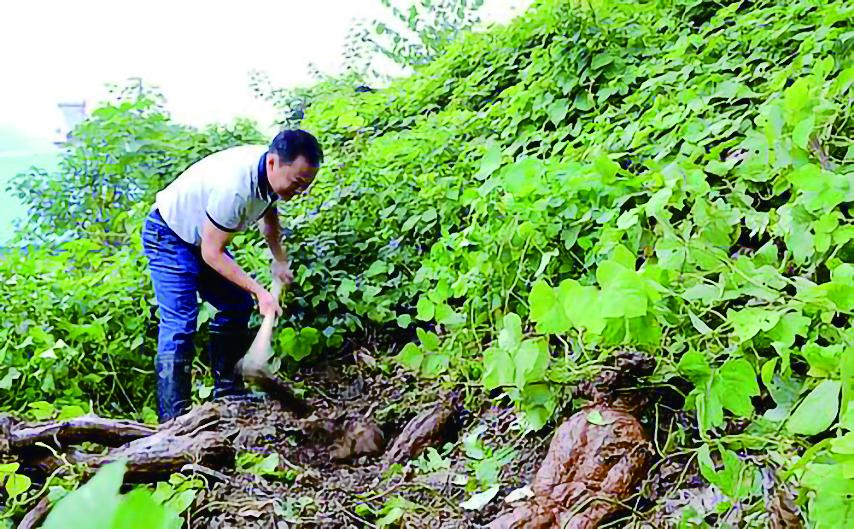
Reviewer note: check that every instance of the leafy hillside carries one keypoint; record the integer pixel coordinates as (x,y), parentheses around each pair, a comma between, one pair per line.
(668,177)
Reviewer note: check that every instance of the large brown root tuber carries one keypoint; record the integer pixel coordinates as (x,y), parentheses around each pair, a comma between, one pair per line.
(589,469)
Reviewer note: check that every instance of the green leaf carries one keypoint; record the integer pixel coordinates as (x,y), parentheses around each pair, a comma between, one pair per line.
(429,340)
(808,177)
(17,484)
(523,177)
(731,478)
(627,219)
(411,222)
(817,411)
(606,167)
(499,369)
(378,267)
(847,409)
(698,324)
(695,367)
(582,305)
(750,321)
(510,336)
(182,501)
(538,405)
(531,361)
(557,111)
(831,506)
(600,60)
(70,412)
(479,500)
(391,517)
(490,162)
(595,417)
(547,310)
(734,384)
(94,504)
(795,99)
(11,375)
(623,257)
(654,207)
(434,364)
(785,392)
(445,315)
(410,357)
(583,101)
(42,410)
(824,362)
(791,324)
(138,510)
(429,215)
(803,131)
(624,291)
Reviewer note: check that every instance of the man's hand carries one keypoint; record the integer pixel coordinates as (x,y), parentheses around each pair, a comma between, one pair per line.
(282,271)
(268,305)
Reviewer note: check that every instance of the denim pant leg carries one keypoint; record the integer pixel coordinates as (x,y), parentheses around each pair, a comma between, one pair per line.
(229,339)
(233,304)
(174,272)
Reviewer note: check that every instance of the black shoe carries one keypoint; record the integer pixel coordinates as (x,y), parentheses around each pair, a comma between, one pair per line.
(225,349)
(173,386)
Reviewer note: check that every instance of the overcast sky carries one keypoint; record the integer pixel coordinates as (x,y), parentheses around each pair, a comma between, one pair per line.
(197,52)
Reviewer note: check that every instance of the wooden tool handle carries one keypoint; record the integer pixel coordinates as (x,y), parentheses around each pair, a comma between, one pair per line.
(276,288)
(276,291)
(259,353)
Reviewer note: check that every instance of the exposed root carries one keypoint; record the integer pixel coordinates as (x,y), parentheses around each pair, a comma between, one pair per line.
(424,430)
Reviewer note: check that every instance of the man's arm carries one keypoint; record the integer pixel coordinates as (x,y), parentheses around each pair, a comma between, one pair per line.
(214,241)
(273,235)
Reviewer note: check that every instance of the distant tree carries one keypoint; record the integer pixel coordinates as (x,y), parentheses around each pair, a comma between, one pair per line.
(408,36)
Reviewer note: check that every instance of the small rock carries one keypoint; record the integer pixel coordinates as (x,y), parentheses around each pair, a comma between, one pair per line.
(360,437)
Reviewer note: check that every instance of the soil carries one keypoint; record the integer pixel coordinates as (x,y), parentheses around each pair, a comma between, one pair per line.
(346,457)
(381,449)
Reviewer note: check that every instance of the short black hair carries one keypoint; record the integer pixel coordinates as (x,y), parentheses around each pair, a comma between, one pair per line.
(291,144)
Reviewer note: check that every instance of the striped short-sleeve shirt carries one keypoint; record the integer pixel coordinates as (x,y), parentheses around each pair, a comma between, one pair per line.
(229,187)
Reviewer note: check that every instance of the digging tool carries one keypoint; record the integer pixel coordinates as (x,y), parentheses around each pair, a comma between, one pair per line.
(255,365)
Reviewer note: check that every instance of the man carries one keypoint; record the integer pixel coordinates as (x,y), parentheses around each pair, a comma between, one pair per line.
(185,239)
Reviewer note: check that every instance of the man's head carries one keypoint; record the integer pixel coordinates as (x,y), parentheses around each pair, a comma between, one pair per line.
(292,162)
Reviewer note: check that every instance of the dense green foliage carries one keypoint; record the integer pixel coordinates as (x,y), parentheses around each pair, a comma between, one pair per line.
(79,314)
(120,156)
(667,176)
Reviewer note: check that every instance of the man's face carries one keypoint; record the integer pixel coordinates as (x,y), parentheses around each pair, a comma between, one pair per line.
(289,179)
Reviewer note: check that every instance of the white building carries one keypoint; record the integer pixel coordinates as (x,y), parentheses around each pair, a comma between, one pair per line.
(72,113)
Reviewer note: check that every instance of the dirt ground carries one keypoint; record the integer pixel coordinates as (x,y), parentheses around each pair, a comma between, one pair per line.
(383,449)
(334,488)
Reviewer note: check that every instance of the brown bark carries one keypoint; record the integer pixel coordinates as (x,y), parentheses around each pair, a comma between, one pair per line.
(37,514)
(62,433)
(198,437)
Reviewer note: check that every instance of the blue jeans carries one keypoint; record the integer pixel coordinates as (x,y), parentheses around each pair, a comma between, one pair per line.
(179,274)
